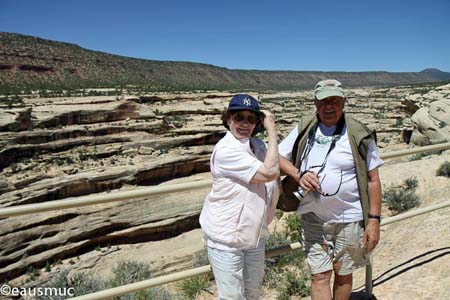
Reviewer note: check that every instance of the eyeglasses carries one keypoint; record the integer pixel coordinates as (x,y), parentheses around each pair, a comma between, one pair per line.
(329,194)
(321,168)
(241,117)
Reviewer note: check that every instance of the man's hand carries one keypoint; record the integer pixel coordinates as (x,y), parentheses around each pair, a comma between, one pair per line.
(372,234)
(310,182)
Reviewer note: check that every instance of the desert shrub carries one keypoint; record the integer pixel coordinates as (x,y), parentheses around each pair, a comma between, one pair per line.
(444,169)
(194,286)
(124,273)
(292,231)
(421,155)
(81,285)
(293,284)
(274,265)
(285,273)
(400,201)
(402,198)
(411,183)
(33,273)
(289,235)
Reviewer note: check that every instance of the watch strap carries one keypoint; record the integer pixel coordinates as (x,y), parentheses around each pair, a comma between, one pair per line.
(378,217)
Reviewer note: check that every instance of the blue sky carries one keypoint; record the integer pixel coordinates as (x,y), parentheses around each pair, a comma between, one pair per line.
(356,35)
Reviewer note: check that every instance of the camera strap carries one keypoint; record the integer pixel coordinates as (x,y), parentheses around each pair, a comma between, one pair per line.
(311,139)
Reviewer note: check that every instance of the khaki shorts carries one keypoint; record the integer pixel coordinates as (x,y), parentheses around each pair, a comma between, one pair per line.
(335,246)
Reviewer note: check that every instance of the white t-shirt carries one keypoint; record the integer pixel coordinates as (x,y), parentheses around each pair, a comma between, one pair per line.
(339,200)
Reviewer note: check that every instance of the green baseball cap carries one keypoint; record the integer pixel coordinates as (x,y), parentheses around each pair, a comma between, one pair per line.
(328,88)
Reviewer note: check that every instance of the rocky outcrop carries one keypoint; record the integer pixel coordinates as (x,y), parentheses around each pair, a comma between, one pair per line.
(432,125)
(15,119)
(432,121)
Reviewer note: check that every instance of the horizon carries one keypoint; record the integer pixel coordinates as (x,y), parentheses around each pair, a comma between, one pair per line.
(254,35)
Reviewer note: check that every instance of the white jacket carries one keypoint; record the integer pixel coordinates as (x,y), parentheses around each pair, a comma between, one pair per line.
(236,210)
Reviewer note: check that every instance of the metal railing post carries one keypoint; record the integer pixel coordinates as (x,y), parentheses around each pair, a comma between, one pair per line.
(369,286)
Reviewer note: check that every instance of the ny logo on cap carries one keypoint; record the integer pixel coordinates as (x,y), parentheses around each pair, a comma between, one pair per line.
(246,101)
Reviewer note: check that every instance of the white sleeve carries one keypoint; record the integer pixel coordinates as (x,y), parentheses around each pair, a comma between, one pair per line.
(233,163)
(373,159)
(285,147)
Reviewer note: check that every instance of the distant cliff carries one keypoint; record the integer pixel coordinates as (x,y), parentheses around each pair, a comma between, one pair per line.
(27,61)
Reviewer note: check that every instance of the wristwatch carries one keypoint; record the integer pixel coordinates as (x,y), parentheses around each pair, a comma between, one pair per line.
(378,217)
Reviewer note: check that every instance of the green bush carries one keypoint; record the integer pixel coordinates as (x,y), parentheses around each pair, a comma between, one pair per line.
(81,285)
(293,284)
(400,201)
(194,286)
(444,169)
(124,273)
(402,198)
(292,223)
(421,155)
(285,273)
(411,183)
(274,265)
(277,264)
(33,273)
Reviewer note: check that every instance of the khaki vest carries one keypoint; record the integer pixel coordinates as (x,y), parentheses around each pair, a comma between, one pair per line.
(359,136)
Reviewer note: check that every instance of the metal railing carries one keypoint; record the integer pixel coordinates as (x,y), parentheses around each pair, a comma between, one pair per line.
(151,191)
(101,198)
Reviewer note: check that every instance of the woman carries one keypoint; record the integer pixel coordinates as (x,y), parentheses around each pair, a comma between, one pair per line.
(242,201)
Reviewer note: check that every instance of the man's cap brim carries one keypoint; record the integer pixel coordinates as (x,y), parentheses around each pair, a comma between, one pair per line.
(320,95)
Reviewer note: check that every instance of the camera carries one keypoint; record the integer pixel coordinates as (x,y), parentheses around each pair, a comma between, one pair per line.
(299,193)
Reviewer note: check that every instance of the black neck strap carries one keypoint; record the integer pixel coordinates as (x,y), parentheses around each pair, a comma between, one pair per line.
(311,137)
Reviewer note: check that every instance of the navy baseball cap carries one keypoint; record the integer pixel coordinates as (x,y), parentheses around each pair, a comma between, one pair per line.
(244,102)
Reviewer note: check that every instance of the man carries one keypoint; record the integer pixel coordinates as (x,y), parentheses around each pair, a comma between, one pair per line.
(335,160)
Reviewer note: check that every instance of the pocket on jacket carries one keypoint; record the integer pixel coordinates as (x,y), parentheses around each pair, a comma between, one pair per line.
(249,225)
(219,221)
